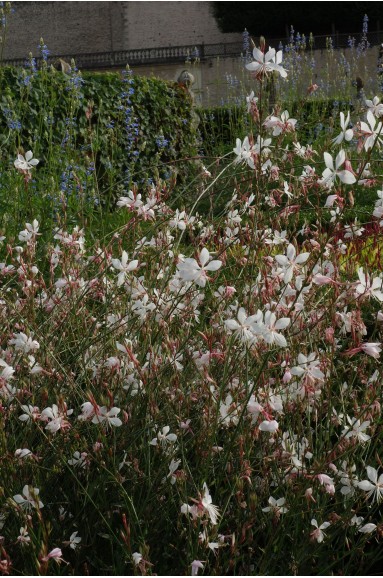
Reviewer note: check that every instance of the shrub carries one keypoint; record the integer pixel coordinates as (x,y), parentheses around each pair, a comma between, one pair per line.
(129,127)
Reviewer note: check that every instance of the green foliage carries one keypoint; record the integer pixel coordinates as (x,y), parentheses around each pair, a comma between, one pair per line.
(220,126)
(128,127)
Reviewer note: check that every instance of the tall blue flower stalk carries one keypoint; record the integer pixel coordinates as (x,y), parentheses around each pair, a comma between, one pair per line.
(44,51)
(246,45)
(75,81)
(29,71)
(131,127)
(364,43)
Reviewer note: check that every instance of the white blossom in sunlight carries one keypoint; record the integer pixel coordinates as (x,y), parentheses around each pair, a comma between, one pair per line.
(244,152)
(373,486)
(375,106)
(276,507)
(369,287)
(164,438)
(191,270)
(318,533)
(24,343)
(346,133)
(29,498)
(356,429)
(291,262)
(332,172)
(265,63)
(124,267)
(30,231)
(25,163)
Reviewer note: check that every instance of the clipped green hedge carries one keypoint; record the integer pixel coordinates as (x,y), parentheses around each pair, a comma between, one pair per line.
(219,126)
(129,128)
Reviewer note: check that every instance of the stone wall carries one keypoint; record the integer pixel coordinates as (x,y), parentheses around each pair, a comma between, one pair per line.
(67,27)
(81,27)
(152,24)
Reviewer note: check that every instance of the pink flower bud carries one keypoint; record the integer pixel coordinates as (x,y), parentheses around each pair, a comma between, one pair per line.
(287,376)
(229,291)
(329,334)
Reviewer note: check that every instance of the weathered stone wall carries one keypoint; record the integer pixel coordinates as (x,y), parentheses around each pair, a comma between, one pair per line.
(152,24)
(67,27)
(81,27)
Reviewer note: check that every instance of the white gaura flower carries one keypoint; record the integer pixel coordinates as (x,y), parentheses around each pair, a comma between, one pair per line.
(79,460)
(353,231)
(356,429)
(190,270)
(202,507)
(263,64)
(261,146)
(132,201)
(270,426)
(308,367)
(367,528)
(243,326)
(331,173)
(26,163)
(346,133)
(195,566)
(244,152)
(124,267)
(24,537)
(375,106)
(164,437)
(348,479)
(370,134)
(280,124)
(368,287)
(56,418)
(55,554)
(24,343)
(108,417)
(7,371)
(272,326)
(137,557)
(277,507)
(29,499)
(74,540)
(178,220)
(372,349)
(208,505)
(30,232)
(173,467)
(23,453)
(291,262)
(32,413)
(318,533)
(251,101)
(373,486)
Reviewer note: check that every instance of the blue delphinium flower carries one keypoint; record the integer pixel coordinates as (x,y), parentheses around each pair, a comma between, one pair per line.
(43,48)
(246,45)
(29,71)
(130,121)
(364,43)
(12,122)
(162,142)
(131,127)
